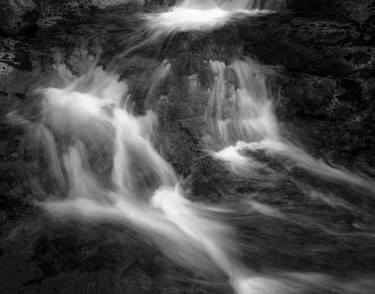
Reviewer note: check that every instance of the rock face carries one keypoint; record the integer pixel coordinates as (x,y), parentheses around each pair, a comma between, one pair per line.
(326,50)
(17,15)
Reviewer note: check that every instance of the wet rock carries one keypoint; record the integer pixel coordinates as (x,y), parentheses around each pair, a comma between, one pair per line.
(24,16)
(326,52)
(27,16)
(16,15)
(359,12)
(327,56)
(305,96)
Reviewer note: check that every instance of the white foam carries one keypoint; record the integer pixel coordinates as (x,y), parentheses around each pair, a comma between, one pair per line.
(187,232)
(242,110)
(260,285)
(198,16)
(186,19)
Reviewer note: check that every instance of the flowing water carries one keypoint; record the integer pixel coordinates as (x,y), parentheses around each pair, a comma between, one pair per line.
(205,15)
(259,242)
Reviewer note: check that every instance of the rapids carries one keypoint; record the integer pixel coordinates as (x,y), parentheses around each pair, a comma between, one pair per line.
(90,115)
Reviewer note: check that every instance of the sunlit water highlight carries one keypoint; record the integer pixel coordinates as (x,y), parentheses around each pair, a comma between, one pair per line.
(182,19)
(234,5)
(202,15)
(192,15)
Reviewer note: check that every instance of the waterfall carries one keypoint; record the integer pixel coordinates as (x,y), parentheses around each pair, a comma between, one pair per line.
(204,15)
(89,119)
(241,111)
(141,189)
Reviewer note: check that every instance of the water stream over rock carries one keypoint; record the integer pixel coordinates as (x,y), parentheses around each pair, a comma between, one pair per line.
(251,240)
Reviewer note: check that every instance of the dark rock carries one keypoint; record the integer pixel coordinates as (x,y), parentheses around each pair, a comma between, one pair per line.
(16,15)
(26,16)
(325,57)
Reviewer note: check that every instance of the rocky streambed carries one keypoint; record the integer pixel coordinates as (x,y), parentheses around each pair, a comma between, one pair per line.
(320,60)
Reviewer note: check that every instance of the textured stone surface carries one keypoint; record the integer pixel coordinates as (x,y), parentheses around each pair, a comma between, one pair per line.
(326,52)
(16,15)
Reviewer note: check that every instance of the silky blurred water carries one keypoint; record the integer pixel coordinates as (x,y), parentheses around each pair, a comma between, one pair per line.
(262,243)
